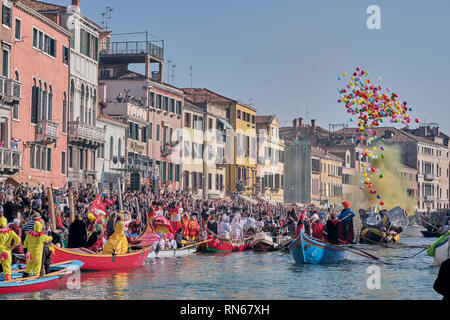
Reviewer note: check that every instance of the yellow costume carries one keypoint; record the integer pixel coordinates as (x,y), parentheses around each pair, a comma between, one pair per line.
(34,243)
(118,241)
(6,237)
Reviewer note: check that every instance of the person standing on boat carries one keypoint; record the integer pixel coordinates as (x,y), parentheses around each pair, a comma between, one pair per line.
(291,226)
(194,228)
(224,227)
(236,227)
(117,243)
(332,229)
(6,237)
(175,217)
(346,221)
(77,233)
(34,243)
(317,227)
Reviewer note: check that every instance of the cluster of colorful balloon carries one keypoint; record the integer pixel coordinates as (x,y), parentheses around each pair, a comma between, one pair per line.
(371,106)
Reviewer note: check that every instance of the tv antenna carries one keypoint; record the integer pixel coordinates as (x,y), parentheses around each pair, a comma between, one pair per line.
(250,102)
(106,16)
(169,61)
(190,74)
(173,71)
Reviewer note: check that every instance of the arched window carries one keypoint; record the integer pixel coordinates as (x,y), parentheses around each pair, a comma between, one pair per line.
(119,147)
(111,148)
(71,102)
(50,103)
(44,103)
(82,104)
(87,116)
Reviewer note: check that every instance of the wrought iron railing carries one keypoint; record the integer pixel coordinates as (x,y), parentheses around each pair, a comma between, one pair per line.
(134,47)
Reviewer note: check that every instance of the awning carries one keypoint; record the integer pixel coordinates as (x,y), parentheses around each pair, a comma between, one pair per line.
(225,123)
(17,180)
(252,201)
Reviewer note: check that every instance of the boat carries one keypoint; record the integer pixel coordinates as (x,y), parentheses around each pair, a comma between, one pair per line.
(59,273)
(440,249)
(307,250)
(430,234)
(216,244)
(384,226)
(262,242)
(374,235)
(99,262)
(171,253)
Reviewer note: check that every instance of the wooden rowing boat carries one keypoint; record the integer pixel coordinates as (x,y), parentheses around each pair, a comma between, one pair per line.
(307,250)
(98,262)
(172,253)
(59,273)
(262,242)
(215,244)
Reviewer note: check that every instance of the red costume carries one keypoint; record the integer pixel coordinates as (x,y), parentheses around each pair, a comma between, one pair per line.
(194,229)
(317,230)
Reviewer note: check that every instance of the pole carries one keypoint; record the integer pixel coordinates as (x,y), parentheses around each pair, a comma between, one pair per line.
(119,193)
(71,206)
(138,211)
(51,209)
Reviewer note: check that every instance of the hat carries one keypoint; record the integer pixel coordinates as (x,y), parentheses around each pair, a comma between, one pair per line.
(3,222)
(346,204)
(315,217)
(37,226)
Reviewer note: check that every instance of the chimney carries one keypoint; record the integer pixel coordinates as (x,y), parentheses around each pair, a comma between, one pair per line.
(313,125)
(294,124)
(76,3)
(300,122)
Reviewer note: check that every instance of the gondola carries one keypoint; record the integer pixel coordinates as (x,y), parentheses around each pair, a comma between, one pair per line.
(217,244)
(172,253)
(262,242)
(430,234)
(100,262)
(307,250)
(59,273)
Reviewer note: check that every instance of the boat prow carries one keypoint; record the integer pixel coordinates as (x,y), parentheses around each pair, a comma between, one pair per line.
(307,250)
(59,273)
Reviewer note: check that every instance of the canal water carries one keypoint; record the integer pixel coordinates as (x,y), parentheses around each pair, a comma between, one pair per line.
(255,276)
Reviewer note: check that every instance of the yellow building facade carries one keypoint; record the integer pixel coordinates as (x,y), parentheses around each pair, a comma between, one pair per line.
(270,162)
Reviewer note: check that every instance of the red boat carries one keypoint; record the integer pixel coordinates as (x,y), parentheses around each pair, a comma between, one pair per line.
(220,245)
(98,262)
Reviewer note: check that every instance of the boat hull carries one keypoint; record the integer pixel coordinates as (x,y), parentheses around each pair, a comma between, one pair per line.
(442,252)
(171,253)
(61,273)
(306,250)
(215,245)
(430,234)
(101,262)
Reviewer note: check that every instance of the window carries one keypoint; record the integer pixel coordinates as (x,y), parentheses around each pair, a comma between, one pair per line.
(187,149)
(158,101)
(179,107)
(150,131)
(144,134)
(18,30)
(5,70)
(158,128)
(88,45)
(64,115)
(166,103)
(119,147)
(172,105)
(177,173)
(70,157)
(6,16)
(152,99)
(66,55)
(170,173)
(187,120)
(63,162)
(239,114)
(111,148)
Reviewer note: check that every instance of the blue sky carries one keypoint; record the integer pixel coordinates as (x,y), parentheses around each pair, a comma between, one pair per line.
(286,55)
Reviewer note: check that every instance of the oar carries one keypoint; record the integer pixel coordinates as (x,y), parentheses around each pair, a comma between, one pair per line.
(430,224)
(378,243)
(367,255)
(196,244)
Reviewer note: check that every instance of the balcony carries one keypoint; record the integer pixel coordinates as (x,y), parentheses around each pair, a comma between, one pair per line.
(10,160)
(136,146)
(429,198)
(132,50)
(11,89)
(429,177)
(86,133)
(166,150)
(46,132)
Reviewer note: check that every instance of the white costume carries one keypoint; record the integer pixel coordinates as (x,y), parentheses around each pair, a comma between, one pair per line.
(236,228)
(224,226)
(249,223)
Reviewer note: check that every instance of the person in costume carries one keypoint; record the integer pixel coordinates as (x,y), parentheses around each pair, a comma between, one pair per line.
(7,236)
(110,224)
(90,224)
(224,227)
(346,223)
(317,227)
(96,240)
(236,227)
(332,229)
(194,228)
(77,233)
(185,225)
(117,243)
(175,217)
(34,243)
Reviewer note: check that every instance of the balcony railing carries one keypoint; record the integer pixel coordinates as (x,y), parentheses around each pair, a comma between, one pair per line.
(429,177)
(13,89)
(80,131)
(429,198)
(46,131)
(134,48)
(10,159)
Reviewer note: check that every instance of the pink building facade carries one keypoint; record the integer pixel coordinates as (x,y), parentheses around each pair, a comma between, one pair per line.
(41,64)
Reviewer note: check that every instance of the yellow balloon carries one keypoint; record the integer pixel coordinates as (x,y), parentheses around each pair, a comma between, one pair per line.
(374,148)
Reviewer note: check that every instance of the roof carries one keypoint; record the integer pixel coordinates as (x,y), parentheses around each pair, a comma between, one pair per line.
(126,75)
(201,95)
(40,6)
(109,118)
(398,135)
(323,153)
(265,119)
